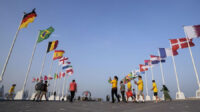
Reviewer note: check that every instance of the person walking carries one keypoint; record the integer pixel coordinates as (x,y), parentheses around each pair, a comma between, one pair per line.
(122,89)
(155,90)
(114,88)
(44,91)
(38,89)
(11,92)
(140,88)
(166,93)
(73,89)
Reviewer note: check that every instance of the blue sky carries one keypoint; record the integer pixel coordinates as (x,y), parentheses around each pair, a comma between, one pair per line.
(102,38)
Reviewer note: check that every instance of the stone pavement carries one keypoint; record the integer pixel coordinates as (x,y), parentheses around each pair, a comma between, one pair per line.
(59,106)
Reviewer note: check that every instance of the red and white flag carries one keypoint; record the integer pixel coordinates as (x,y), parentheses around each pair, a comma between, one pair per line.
(180,43)
(192,31)
(143,68)
(69,71)
(63,60)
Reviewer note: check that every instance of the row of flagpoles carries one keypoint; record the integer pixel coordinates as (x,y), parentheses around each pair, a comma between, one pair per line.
(58,54)
(191,33)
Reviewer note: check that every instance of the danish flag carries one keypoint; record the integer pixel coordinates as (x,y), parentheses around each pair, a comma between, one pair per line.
(180,43)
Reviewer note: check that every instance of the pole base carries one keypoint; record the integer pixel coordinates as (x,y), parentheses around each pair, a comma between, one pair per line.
(163,97)
(198,93)
(52,98)
(148,98)
(153,98)
(32,96)
(57,98)
(19,95)
(180,96)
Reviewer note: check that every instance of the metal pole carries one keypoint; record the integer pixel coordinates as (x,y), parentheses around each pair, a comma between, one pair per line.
(43,64)
(146,84)
(152,72)
(10,51)
(195,69)
(29,67)
(55,81)
(161,69)
(63,86)
(177,81)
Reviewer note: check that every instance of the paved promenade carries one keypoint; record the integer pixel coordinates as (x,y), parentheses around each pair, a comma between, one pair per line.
(31,106)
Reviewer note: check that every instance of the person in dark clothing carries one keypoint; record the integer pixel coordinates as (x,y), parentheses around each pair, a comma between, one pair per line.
(44,91)
(38,89)
(114,88)
(166,93)
(122,89)
(73,89)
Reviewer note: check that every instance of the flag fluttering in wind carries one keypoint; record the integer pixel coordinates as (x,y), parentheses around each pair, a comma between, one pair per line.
(69,70)
(166,52)
(34,80)
(52,46)
(143,68)
(156,59)
(180,43)
(55,76)
(147,63)
(63,60)
(50,78)
(28,18)
(45,78)
(192,31)
(66,65)
(58,54)
(44,34)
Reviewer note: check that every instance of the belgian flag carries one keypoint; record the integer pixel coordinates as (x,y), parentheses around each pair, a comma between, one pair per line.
(28,18)
(52,45)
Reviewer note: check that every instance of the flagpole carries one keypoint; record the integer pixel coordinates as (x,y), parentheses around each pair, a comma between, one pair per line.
(64,83)
(55,81)
(152,73)
(29,67)
(179,94)
(161,69)
(146,84)
(195,69)
(43,65)
(10,51)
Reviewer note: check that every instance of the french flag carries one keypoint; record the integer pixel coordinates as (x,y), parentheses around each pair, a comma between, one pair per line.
(166,52)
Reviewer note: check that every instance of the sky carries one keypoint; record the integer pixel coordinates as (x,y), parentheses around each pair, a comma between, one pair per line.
(102,38)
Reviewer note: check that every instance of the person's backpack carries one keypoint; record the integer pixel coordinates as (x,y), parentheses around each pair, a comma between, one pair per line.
(38,86)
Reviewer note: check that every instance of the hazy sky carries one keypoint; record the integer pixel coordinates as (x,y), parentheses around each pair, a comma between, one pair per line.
(102,38)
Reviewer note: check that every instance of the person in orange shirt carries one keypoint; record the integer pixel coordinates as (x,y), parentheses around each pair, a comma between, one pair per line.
(73,89)
(114,88)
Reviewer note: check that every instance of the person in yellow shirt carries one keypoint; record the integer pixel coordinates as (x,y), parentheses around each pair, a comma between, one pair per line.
(129,93)
(140,88)
(114,88)
(11,92)
(155,90)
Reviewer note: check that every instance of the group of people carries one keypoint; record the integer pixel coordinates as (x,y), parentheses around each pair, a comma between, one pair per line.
(41,90)
(130,93)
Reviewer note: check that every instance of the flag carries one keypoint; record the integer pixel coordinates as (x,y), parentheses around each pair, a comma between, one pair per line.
(55,76)
(45,78)
(50,78)
(34,80)
(156,59)
(143,68)
(63,60)
(38,79)
(165,52)
(52,45)
(61,74)
(66,65)
(41,78)
(70,70)
(147,62)
(180,43)
(44,34)
(192,31)
(28,18)
(58,54)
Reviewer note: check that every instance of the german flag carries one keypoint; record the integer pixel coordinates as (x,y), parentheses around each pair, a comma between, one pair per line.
(28,18)
(58,54)
(52,45)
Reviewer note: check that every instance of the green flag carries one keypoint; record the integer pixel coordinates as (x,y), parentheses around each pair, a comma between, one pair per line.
(44,34)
